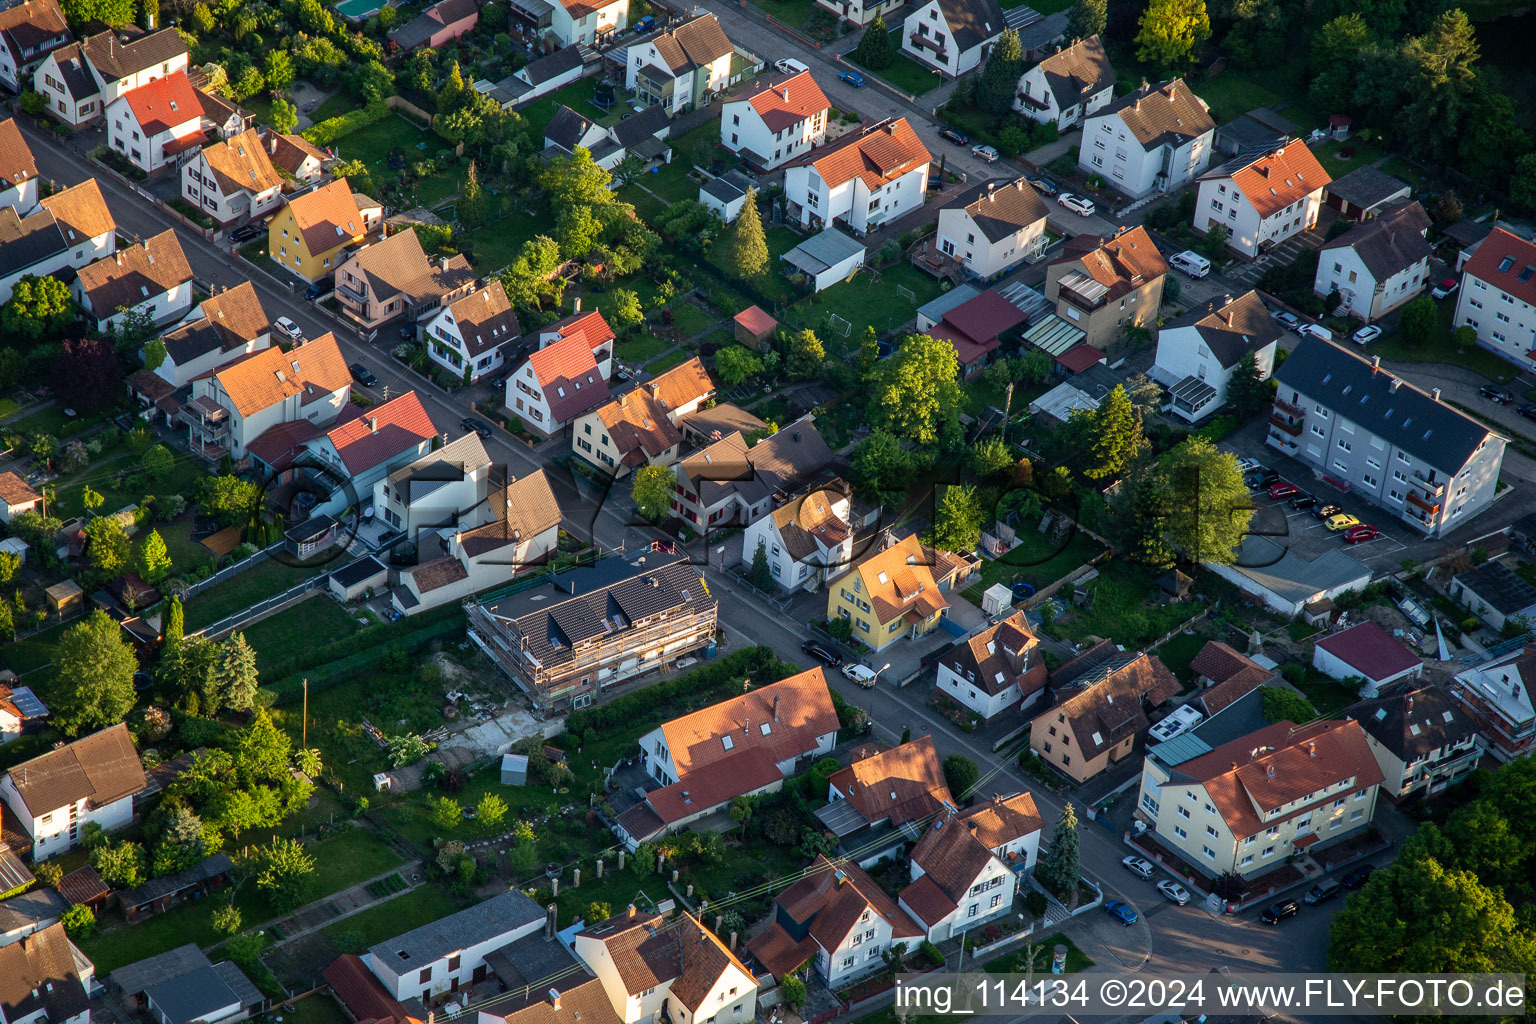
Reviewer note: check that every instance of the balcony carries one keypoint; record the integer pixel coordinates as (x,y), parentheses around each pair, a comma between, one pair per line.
(357,294)
(1430,508)
(1452,760)
(923,42)
(1432,488)
(1281,423)
(1289,409)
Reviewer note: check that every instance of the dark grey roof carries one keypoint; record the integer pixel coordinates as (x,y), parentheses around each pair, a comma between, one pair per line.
(1499,588)
(1292,577)
(1433,432)
(243,988)
(193,996)
(422,946)
(1413,723)
(972,22)
(439,15)
(1077,72)
(13,873)
(31,908)
(531,960)
(728,187)
(27,242)
(1001,207)
(1366,187)
(1242,717)
(1261,130)
(566,129)
(1036,34)
(353,573)
(643,125)
(1242,325)
(173,963)
(537,72)
(76,77)
(1468,233)
(1390,242)
(156,888)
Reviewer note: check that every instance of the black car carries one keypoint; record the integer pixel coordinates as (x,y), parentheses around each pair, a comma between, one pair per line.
(318,289)
(1278,912)
(1528,411)
(1322,892)
(1261,478)
(362,375)
(470,423)
(1043,185)
(820,653)
(1325,511)
(245,233)
(1498,396)
(408,332)
(1357,876)
(956,136)
(1302,502)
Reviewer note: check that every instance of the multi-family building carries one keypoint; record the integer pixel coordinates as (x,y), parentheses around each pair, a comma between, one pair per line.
(470,337)
(439,958)
(442,490)
(1378,265)
(998,669)
(896,591)
(18,169)
(952,36)
(90,781)
(151,281)
(233,180)
(992,227)
(640,426)
(158,125)
(1262,200)
(1500,695)
(898,789)
(1099,704)
(965,868)
(556,385)
(86,224)
(808,540)
(728,483)
(393,279)
(1249,804)
(225,326)
(1423,740)
(864,180)
(739,747)
(1384,439)
(1153,139)
(81,80)
(1198,353)
(43,980)
(1101,286)
(678,970)
(682,68)
(587,21)
(1498,296)
(29,32)
(591,628)
(310,234)
(775,120)
(1068,86)
(437,26)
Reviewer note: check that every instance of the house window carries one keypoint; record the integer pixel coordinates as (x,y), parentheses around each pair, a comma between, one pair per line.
(1178,831)
(1184,812)
(972,910)
(1210,854)
(1210,830)
(1149,803)
(1269,851)
(425,977)
(848,961)
(998,898)
(453,962)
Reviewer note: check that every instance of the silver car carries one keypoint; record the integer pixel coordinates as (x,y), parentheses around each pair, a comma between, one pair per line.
(1138,866)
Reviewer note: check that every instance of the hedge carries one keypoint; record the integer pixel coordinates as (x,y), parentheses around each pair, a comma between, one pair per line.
(363,639)
(757,663)
(291,688)
(333,128)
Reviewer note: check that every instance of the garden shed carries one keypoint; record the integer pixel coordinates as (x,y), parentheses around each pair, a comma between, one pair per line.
(826,259)
(66,597)
(514,769)
(354,579)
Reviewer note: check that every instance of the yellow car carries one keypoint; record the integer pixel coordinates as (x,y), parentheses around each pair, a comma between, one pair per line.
(1342,521)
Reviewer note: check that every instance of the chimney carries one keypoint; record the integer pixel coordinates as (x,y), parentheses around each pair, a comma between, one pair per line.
(1435,394)
(1311,748)
(1409,709)
(373,424)
(576,304)
(1396,383)
(632,912)
(1375,363)
(549,921)
(272,143)
(554,998)
(775,707)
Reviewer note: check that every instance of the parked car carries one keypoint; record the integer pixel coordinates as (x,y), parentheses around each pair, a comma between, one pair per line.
(1496,395)
(1325,511)
(1314,331)
(1302,502)
(1277,912)
(1044,186)
(789,66)
(1445,288)
(820,653)
(861,674)
(1360,534)
(1246,465)
(1357,876)
(1173,891)
(1139,866)
(1366,334)
(408,332)
(644,25)
(1322,892)
(318,289)
(1286,320)
(1191,263)
(363,375)
(853,78)
(1077,204)
(987,153)
(955,136)
(1261,478)
(246,232)
(1528,411)
(1122,912)
(1282,489)
(1340,521)
(470,423)
(288,327)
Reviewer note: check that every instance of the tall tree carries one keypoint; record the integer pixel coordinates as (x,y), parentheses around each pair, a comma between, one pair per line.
(960,775)
(651,488)
(1087,18)
(880,464)
(1058,867)
(285,116)
(1257,34)
(277,68)
(762,571)
(229,499)
(1444,83)
(93,681)
(89,376)
(806,354)
(471,204)
(735,363)
(576,180)
(999,81)
(285,874)
(1114,435)
(877,49)
(236,673)
(532,280)
(39,309)
(916,392)
(1209,508)
(152,560)
(1418,320)
(1247,392)
(747,257)
(173,624)
(1171,33)
(958,519)
(107,548)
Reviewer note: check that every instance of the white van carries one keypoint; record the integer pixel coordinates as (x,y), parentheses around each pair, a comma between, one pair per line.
(1192,263)
(789,66)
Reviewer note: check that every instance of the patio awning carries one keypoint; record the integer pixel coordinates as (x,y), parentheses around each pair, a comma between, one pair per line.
(841,818)
(1192,393)
(1054,335)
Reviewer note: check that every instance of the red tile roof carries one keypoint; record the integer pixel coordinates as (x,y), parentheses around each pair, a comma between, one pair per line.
(16,163)
(795,711)
(743,772)
(833,896)
(360,992)
(262,379)
(1371,651)
(1505,261)
(1002,820)
(568,376)
(880,153)
(1276,179)
(590,327)
(903,784)
(16,491)
(925,899)
(785,102)
(382,433)
(164,104)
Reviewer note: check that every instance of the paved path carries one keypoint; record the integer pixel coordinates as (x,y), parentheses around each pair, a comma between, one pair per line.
(355,899)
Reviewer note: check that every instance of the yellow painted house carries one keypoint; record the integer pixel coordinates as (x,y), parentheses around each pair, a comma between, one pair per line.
(897,592)
(310,234)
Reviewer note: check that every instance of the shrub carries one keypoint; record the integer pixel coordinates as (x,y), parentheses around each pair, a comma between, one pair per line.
(757,663)
(931,951)
(1036,903)
(79,921)
(331,129)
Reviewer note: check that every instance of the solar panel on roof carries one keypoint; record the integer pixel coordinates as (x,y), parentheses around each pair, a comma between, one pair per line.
(27,703)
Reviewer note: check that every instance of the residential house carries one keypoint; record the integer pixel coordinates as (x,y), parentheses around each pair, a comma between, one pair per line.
(1068,86)
(238,403)
(727,483)
(540,77)
(1365,192)
(293,155)
(992,227)
(1500,695)
(1498,297)
(587,21)
(859,12)
(437,26)
(1098,707)
(976,328)
(439,491)
(1104,285)
(1198,353)
(233,180)
(640,136)
(1423,740)
(775,120)
(393,278)
(70,228)
(1154,139)
(1493,593)
(1376,266)
(739,747)
(309,235)
(92,780)
(81,214)
(18,170)
(225,326)
(43,980)
(838,917)
(221,117)
(158,125)
(807,540)
(1368,653)
(33,911)
(1419,458)
(556,385)
(149,282)
(1287,582)
(897,592)
(81,80)
(182,985)
(591,328)
(517,529)
(470,336)
(886,798)
(593,627)
(677,970)
(29,32)
(952,36)
(439,958)
(1224,676)
(866,179)
(576,998)
(1262,797)
(682,68)
(720,420)
(998,669)
(16,496)
(960,879)
(356,454)
(640,427)
(1262,200)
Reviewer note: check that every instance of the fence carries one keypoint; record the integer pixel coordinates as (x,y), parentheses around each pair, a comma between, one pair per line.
(263,608)
(160,205)
(230,570)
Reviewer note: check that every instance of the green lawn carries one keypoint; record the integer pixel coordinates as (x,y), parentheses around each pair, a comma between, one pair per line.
(1178,653)
(642,349)
(276,638)
(1328,696)
(372,144)
(318,1008)
(577,96)
(103,477)
(334,105)
(1232,94)
(422,905)
(262,580)
(1125,607)
(1044,951)
(688,319)
(1038,561)
(34,652)
(497,243)
(647,206)
(45,421)
(186,554)
(870,298)
(905,73)
(1360,155)
(668,361)
(791,12)
(1441,349)
(8,408)
(670,181)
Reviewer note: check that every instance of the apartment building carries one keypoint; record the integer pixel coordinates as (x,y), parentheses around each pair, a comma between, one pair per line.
(1153,139)
(157,126)
(1198,353)
(393,279)
(896,591)
(151,280)
(233,179)
(1500,695)
(1263,199)
(1423,740)
(470,337)
(681,68)
(224,327)
(679,971)
(312,233)
(442,490)
(29,32)
(992,227)
(1498,296)
(81,80)
(865,179)
(1099,704)
(808,540)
